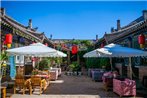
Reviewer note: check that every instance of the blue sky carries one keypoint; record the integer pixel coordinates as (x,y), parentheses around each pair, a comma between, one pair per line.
(78,20)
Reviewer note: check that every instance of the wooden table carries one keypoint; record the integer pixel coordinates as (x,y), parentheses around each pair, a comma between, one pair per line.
(3,89)
(42,76)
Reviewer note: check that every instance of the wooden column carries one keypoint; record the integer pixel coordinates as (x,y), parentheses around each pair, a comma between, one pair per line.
(78,59)
(68,57)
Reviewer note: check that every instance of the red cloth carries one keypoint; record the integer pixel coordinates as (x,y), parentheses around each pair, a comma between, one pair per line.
(124,88)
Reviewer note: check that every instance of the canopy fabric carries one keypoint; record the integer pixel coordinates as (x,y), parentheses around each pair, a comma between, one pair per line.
(58,54)
(93,53)
(114,50)
(36,50)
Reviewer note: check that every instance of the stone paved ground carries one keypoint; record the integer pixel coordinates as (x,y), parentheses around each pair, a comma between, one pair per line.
(72,87)
(78,85)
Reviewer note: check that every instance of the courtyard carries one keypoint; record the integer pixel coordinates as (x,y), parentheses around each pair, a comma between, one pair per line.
(71,87)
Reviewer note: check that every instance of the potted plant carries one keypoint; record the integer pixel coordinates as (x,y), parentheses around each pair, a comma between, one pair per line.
(35,72)
(75,68)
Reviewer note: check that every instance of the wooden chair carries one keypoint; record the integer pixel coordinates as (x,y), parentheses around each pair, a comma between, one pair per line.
(22,83)
(46,72)
(37,82)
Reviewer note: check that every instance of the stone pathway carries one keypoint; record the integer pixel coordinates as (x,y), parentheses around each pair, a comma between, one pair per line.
(77,85)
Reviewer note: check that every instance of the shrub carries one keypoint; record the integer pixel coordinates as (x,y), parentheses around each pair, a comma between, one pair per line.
(44,64)
(75,66)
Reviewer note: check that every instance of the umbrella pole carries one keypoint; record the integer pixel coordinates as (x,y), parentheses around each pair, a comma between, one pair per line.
(130,67)
(33,64)
(111,63)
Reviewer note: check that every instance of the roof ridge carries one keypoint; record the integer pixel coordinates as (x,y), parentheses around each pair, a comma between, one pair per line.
(121,30)
(15,21)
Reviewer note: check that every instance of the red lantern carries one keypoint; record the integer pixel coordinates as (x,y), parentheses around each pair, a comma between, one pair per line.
(33,59)
(33,42)
(102,45)
(74,49)
(46,44)
(141,39)
(8,39)
(4,42)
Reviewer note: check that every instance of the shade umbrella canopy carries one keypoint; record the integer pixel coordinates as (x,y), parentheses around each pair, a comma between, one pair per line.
(58,54)
(35,50)
(93,53)
(114,50)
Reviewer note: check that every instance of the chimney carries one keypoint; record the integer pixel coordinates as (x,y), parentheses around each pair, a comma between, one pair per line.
(96,37)
(2,11)
(30,23)
(145,14)
(118,24)
(112,29)
(51,36)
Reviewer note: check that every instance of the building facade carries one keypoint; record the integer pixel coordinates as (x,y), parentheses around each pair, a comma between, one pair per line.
(128,36)
(21,36)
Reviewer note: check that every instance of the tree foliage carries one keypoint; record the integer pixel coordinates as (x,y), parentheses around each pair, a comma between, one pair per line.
(3,57)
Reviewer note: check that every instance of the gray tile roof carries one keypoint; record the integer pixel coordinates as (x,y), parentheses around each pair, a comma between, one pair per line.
(17,25)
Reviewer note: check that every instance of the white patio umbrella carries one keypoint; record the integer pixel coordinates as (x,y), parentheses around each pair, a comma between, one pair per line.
(36,50)
(58,54)
(114,50)
(93,53)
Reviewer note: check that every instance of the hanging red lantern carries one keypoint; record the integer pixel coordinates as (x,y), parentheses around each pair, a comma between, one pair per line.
(102,45)
(74,49)
(33,42)
(46,44)
(33,59)
(141,39)
(4,42)
(8,38)
(62,45)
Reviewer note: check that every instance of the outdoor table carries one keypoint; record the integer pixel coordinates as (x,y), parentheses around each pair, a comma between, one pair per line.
(42,76)
(3,89)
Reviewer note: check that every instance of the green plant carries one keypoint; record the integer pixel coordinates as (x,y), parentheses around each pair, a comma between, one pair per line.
(104,62)
(44,64)
(35,72)
(58,60)
(74,66)
(3,57)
